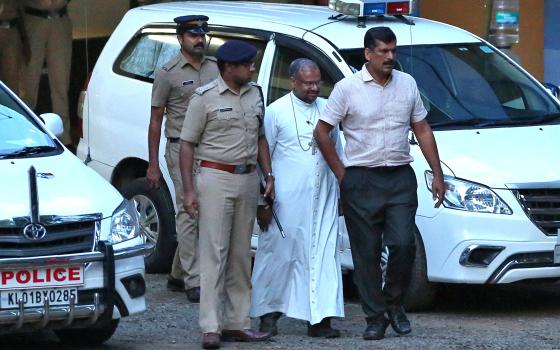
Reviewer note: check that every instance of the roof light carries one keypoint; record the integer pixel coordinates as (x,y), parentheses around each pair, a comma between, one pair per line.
(371,7)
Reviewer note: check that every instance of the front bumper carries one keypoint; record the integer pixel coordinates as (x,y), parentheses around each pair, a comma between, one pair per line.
(94,305)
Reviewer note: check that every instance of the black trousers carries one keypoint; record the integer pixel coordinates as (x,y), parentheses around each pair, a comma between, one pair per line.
(379,207)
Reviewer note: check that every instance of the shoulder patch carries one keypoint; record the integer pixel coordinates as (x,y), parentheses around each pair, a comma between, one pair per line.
(202,89)
(172,63)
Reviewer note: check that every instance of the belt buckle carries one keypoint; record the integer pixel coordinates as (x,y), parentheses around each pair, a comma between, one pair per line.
(53,15)
(240,169)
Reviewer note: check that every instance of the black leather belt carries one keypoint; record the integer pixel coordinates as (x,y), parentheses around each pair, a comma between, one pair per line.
(9,23)
(173,139)
(45,13)
(234,169)
(380,169)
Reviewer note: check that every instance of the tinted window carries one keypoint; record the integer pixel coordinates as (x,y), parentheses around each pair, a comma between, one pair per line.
(147,52)
(470,85)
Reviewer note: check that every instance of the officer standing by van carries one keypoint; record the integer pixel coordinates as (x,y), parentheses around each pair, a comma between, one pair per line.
(225,119)
(49,32)
(378,186)
(12,35)
(173,86)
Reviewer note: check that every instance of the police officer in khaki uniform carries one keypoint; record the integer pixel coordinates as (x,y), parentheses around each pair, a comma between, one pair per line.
(173,85)
(225,119)
(11,37)
(49,31)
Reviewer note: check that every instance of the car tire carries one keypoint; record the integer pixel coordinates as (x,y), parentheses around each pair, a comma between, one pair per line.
(157,217)
(94,335)
(421,293)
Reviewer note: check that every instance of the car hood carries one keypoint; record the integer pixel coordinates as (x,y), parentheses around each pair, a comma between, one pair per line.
(66,187)
(503,157)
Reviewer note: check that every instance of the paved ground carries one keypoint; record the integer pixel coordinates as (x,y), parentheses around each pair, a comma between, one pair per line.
(519,317)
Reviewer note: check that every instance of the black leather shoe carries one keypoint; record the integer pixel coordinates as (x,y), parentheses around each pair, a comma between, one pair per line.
(244,335)
(376,327)
(268,323)
(193,294)
(175,284)
(322,329)
(399,322)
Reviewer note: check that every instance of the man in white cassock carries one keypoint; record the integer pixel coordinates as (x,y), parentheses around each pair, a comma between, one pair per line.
(299,275)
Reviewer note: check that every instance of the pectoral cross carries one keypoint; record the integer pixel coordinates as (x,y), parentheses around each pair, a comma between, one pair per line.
(313,146)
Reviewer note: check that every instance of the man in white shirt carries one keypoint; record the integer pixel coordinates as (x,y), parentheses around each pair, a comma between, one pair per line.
(299,275)
(377,107)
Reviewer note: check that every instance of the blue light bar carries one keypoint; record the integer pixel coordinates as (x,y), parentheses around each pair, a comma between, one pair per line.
(374,9)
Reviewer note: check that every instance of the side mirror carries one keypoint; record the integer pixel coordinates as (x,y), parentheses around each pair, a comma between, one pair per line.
(553,89)
(53,122)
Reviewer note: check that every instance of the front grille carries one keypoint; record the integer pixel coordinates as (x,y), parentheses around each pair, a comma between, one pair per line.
(63,237)
(543,208)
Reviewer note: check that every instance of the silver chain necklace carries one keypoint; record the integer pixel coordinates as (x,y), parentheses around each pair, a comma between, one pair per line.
(312,142)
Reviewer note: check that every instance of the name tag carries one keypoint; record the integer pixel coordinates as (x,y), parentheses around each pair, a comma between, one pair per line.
(227,109)
(187,82)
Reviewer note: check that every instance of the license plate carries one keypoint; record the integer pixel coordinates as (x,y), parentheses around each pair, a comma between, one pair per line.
(557,254)
(37,297)
(42,277)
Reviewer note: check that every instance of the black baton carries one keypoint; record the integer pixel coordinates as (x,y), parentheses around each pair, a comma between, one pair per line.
(269,202)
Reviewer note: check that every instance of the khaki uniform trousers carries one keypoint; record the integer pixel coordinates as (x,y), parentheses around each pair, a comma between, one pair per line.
(185,262)
(49,39)
(10,57)
(227,209)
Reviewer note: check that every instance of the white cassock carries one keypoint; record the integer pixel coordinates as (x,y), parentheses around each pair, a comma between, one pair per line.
(299,275)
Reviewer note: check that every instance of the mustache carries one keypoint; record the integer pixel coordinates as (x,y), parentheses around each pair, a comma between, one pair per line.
(391,62)
(200,45)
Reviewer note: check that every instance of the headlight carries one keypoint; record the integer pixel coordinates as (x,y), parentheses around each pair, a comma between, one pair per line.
(469,196)
(124,223)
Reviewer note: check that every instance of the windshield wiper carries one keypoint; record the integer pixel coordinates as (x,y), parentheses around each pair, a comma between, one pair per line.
(29,150)
(461,122)
(530,120)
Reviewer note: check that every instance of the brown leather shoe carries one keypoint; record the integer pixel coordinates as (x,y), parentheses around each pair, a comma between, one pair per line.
(210,340)
(245,335)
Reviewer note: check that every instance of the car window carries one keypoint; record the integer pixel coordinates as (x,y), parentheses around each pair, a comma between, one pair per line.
(147,52)
(470,85)
(279,84)
(18,130)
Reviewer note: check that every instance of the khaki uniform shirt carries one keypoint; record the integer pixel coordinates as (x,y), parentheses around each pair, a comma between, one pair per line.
(173,86)
(46,5)
(375,118)
(225,125)
(8,9)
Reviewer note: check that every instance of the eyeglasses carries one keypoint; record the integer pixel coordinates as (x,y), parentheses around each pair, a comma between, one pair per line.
(309,84)
(248,65)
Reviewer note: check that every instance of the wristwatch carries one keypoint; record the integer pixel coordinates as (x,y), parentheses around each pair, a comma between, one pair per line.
(267,175)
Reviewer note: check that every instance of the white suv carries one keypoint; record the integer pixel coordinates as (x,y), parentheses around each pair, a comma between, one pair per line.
(71,251)
(496,127)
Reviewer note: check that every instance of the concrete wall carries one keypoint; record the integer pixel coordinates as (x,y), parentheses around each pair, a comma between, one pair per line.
(474,15)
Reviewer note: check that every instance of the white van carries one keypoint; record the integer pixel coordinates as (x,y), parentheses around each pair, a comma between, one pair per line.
(496,127)
(71,251)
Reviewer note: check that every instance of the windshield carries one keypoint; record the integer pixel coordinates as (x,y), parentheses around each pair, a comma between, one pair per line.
(471,86)
(20,136)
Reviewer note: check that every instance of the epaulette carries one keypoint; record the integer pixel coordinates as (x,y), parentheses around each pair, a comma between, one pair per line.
(252,83)
(172,63)
(211,58)
(202,89)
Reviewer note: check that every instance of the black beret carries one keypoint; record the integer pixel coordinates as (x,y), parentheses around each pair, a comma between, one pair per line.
(236,51)
(195,24)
